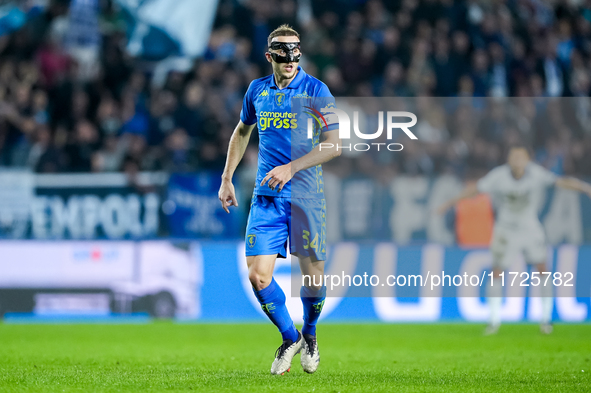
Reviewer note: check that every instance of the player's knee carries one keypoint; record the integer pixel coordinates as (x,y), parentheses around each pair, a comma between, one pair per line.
(542,267)
(497,272)
(257,280)
(314,283)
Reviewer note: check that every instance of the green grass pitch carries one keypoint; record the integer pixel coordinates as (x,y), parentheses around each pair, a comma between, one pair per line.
(164,356)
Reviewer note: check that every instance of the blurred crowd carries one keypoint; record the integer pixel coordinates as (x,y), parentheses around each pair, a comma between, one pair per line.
(61,114)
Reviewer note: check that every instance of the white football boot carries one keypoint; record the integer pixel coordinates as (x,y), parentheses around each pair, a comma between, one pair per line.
(284,355)
(546,328)
(310,355)
(491,329)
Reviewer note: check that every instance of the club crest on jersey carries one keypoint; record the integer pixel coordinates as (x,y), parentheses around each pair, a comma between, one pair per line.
(251,240)
(279,98)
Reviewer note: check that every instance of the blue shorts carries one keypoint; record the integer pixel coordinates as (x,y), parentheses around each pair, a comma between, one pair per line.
(273,220)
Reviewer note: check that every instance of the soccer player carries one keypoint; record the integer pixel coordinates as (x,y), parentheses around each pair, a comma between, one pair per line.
(517,226)
(268,103)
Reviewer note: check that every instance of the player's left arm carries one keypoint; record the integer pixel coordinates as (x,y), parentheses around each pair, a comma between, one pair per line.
(323,152)
(571,183)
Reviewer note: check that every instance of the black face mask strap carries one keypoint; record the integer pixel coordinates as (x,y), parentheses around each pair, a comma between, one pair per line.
(288,47)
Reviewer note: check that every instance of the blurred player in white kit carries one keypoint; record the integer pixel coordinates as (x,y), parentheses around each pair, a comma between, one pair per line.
(517,226)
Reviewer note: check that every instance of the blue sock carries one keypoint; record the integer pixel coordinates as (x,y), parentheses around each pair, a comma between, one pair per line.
(313,301)
(272,301)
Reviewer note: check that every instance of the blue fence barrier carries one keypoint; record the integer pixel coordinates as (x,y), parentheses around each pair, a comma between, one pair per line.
(226,293)
(208,281)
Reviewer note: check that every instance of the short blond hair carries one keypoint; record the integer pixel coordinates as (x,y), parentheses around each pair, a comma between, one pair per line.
(284,30)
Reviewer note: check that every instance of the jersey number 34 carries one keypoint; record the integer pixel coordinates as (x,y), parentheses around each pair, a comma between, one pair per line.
(307,244)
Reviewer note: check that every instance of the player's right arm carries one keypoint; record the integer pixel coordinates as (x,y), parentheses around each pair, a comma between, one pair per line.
(487,184)
(470,191)
(236,149)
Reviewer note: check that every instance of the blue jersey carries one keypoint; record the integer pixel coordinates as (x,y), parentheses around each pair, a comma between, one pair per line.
(271,109)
